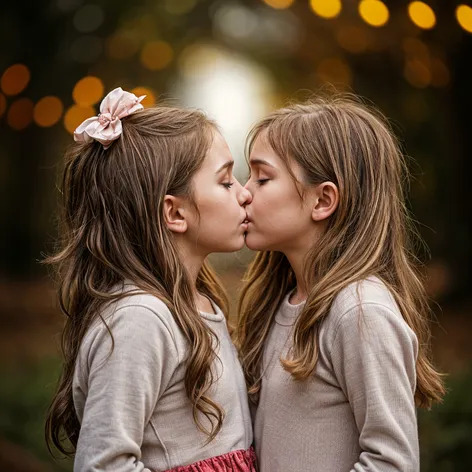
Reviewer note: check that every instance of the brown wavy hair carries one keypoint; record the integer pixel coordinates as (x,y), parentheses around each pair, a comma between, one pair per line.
(112,230)
(341,140)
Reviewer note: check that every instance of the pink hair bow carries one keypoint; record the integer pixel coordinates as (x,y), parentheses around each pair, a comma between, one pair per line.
(106,127)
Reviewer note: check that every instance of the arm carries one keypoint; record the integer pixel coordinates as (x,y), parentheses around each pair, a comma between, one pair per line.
(123,388)
(374,357)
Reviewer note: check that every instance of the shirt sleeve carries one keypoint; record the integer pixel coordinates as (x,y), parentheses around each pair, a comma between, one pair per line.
(374,358)
(125,379)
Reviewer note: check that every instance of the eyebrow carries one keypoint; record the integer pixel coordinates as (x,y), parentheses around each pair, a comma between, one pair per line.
(261,162)
(226,165)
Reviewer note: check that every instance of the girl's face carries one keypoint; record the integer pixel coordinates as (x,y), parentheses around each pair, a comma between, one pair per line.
(220,223)
(278,218)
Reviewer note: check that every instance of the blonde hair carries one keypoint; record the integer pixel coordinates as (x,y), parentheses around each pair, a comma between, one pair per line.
(341,140)
(113,230)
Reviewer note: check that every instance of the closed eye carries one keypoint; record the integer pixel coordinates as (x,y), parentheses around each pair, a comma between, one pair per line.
(262,181)
(227,184)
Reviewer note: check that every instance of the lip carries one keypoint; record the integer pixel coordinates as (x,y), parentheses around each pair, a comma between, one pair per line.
(245,222)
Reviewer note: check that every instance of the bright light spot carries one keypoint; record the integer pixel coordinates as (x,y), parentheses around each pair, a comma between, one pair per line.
(279,4)
(232,90)
(422,15)
(15,79)
(374,12)
(48,111)
(88,91)
(326,8)
(464,17)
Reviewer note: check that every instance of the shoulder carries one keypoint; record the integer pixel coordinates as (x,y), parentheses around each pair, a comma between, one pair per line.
(367,308)
(136,317)
(370,291)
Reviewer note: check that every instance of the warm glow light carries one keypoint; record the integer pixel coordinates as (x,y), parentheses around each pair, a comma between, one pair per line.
(88,91)
(422,15)
(3,104)
(417,73)
(75,115)
(150,99)
(279,4)
(156,55)
(326,8)
(374,12)
(464,17)
(20,113)
(15,79)
(334,70)
(48,111)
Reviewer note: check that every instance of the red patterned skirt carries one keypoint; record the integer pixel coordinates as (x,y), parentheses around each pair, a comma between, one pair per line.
(234,461)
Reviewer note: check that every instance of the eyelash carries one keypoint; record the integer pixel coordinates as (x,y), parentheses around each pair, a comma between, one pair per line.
(262,181)
(228,185)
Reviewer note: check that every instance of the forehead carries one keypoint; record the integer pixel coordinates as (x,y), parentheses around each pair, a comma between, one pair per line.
(219,152)
(262,151)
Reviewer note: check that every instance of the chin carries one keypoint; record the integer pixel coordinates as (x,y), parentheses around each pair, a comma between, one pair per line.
(232,245)
(255,245)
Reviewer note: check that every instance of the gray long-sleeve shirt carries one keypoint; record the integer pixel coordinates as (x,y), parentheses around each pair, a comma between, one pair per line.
(357,412)
(131,403)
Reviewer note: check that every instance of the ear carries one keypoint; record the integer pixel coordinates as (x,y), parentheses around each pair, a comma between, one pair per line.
(326,200)
(174,214)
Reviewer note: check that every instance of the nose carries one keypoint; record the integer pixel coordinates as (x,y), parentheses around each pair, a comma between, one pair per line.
(245,196)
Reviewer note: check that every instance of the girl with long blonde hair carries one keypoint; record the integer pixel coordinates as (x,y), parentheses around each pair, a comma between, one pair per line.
(333,330)
(151,380)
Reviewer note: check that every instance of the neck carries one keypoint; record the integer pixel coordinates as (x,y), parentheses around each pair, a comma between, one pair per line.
(296,260)
(192,263)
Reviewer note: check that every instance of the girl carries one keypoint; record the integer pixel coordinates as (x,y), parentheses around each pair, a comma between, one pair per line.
(151,380)
(333,331)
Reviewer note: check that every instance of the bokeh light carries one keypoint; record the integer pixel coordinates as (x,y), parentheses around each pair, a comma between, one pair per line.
(422,15)
(88,91)
(150,98)
(464,17)
(374,12)
(417,73)
(15,79)
(48,111)
(156,55)
(75,115)
(326,8)
(88,18)
(279,4)
(20,113)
